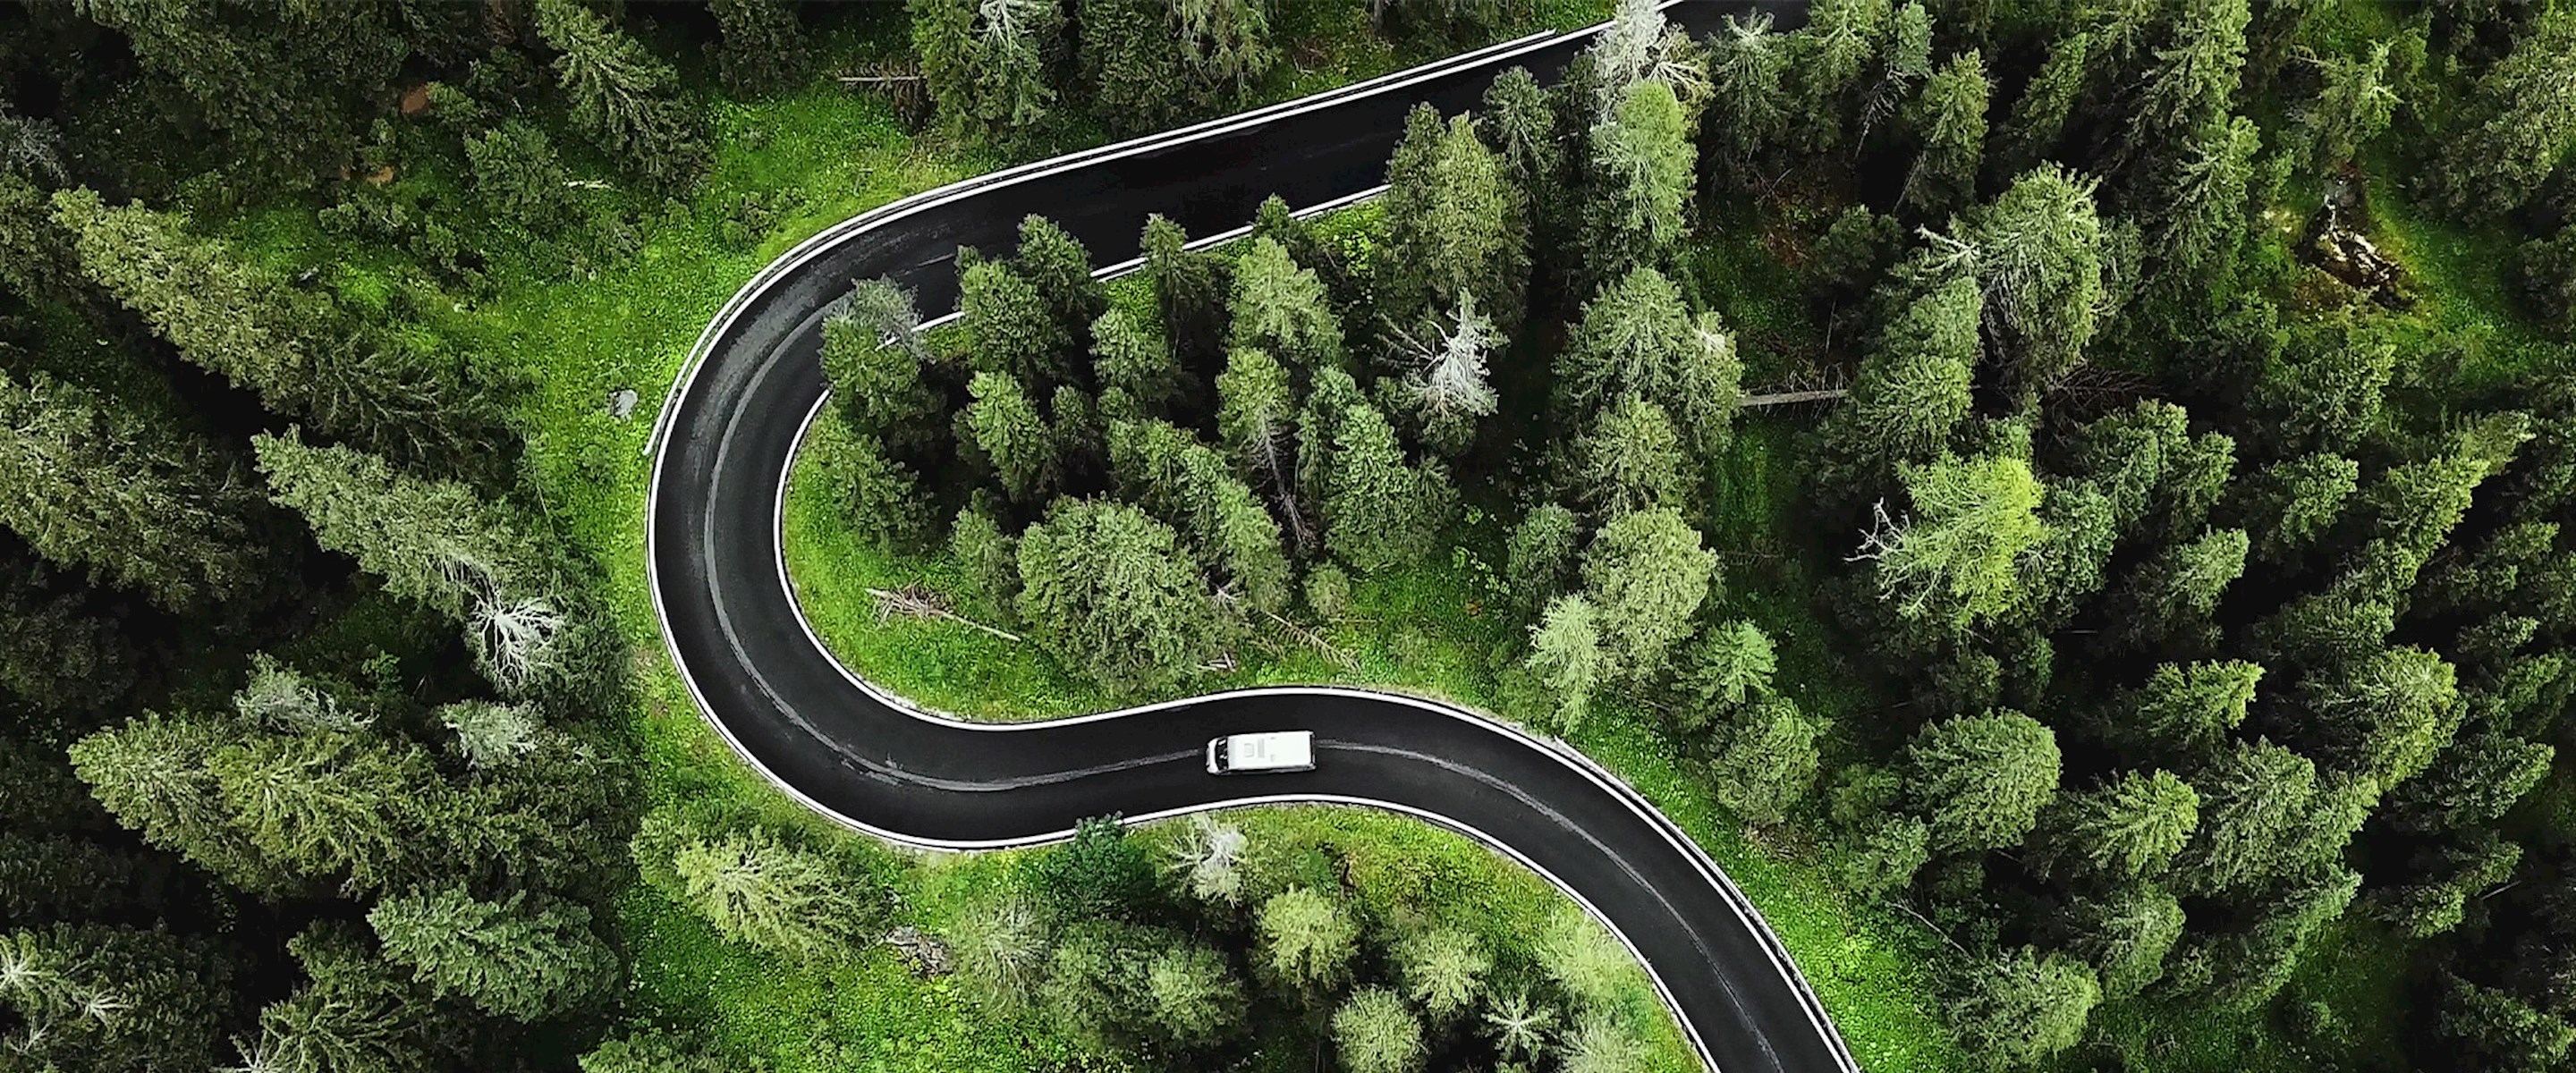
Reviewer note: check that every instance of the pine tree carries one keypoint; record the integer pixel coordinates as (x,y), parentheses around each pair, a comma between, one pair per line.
(1648,574)
(96,485)
(2019,1008)
(2529,101)
(1111,595)
(2130,827)
(2185,709)
(624,97)
(508,958)
(2501,1031)
(1374,1032)
(1959,556)
(1949,118)
(1379,512)
(1281,309)
(2039,115)
(1307,937)
(296,351)
(762,48)
(1638,183)
(1566,654)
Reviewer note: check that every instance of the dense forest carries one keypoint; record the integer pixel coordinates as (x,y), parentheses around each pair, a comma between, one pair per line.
(2176,392)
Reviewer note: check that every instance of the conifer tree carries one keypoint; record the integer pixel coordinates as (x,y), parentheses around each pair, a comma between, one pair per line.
(2019,1008)
(1137,80)
(1444,970)
(2200,216)
(1647,573)
(2528,100)
(153,773)
(442,544)
(2125,936)
(1008,431)
(2253,803)
(2130,827)
(1193,995)
(2501,1031)
(1190,292)
(1375,1032)
(2385,716)
(507,958)
(1632,460)
(293,349)
(519,177)
(97,997)
(1768,761)
(1639,181)
(1111,595)
(96,485)
(2188,85)
(1566,653)
(2290,503)
(1011,327)
(1520,124)
(1448,387)
(353,1012)
(1060,268)
(1379,512)
(1749,104)
(2037,253)
(757,889)
(2353,105)
(1538,558)
(1257,420)
(986,61)
(1829,57)
(762,47)
(1455,229)
(1913,387)
(1949,118)
(328,806)
(621,95)
(1959,555)
(1132,361)
(1981,780)
(1637,338)
(1188,485)
(1280,308)
(2040,114)
(1730,665)
(1307,937)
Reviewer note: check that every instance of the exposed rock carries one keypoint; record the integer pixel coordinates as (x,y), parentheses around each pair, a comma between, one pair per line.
(924,952)
(621,403)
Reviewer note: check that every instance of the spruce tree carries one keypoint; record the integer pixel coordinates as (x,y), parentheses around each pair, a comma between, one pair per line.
(1632,460)
(622,96)
(1567,656)
(1189,486)
(1257,421)
(1520,124)
(1638,181)
(1949,119)
(1307,937)
(96,485)
(508,958)
(2019,1008)
(873,355)
(1378,511)
(1133,361)
(1011,326)
(2125,936)
(2354,103)
(1982,780)
(1012,437)
(1454,225)
(1138,81)
(297,352)
(1280,308)
(1109,593)
(1959,554)
(1190,292)
(153,773)
(2130,827)
(1538,559)
(757,889)
(1375,1032)
(2528,104)
(1913,387)
(1444,970)
(1768,761)
(1749,105)
(762,47)
(2037,253)
(1648,574)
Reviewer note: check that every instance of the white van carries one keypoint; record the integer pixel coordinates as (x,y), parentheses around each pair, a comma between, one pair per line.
(1277,750)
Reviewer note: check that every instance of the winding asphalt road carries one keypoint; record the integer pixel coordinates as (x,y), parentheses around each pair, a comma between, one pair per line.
(872,761)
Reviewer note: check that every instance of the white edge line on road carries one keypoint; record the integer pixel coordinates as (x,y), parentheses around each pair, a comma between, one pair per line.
(811,247)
